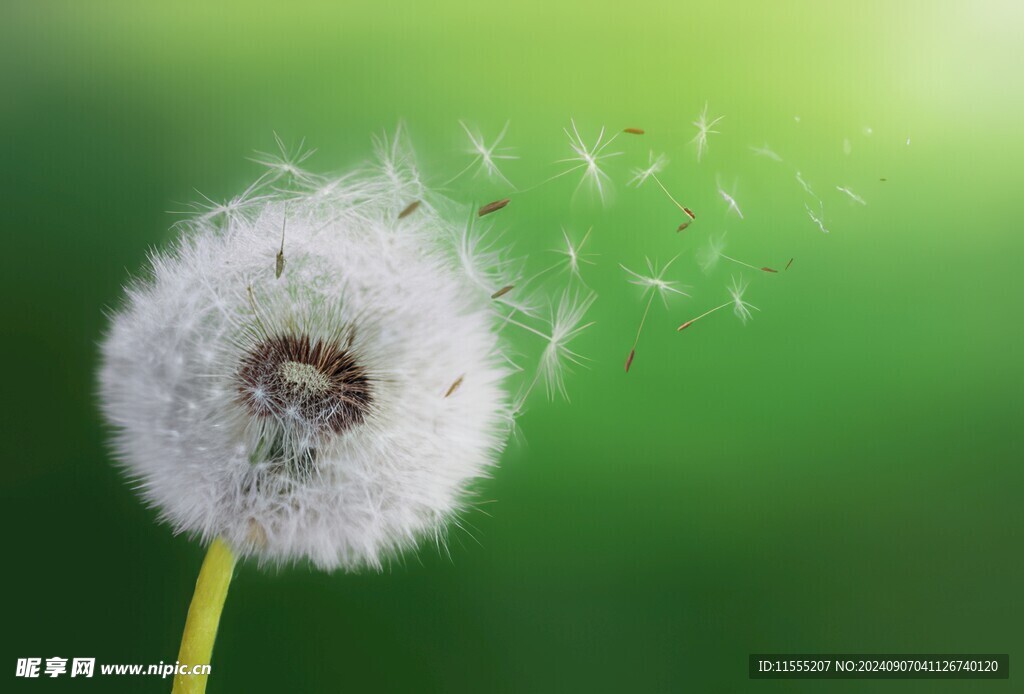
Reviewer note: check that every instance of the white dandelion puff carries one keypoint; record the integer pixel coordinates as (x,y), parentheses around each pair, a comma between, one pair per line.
(704,128)
(590,159)
(655,165)
(565,325)
(486,157)
(730,201)
(740,308)
(309,410)
(655,284)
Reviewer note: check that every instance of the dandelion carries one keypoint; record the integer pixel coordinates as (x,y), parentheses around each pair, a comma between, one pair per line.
(654,284)
(730,201)
(335,410)
(565,325)
(850,194)
(740,308)
(486,157)
(817,217)
(765,151)
(655,164)
(714,250)
(589,159)
(704,128)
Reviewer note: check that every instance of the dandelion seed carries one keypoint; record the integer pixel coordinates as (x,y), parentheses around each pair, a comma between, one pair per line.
(850,194)
(819,218)
(486,157)
(765,151)
(409,209)
(589,159)
(492,207)
(704,128)
(654,284)
(503,291)
(455,386)
(286,163)
(714,251)
(565,325)
(574,254)
(682,226)
(741,309)
(789,263)
(730,201)
(633,131)
(655,166)
(279,268)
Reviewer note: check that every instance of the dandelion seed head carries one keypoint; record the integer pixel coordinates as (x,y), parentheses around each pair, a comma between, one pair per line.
(312,416)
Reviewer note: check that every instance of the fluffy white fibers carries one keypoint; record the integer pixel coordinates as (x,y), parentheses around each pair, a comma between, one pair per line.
(309,374)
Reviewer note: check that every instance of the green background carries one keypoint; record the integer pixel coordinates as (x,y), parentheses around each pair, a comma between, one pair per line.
(841,474)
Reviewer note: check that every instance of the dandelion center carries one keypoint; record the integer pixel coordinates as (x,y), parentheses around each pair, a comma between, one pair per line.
(305,383)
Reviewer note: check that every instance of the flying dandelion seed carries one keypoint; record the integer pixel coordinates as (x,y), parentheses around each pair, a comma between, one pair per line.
(850,194)
(633,131)
(714,250)
(492,207)
(818,218)
(740,308)
(574,257)
(655,165)
(766,151)
(503,291)
(654,284)
(730,201)
(589,159)
(564,326)
(805,185)
(486,158)
(704,128)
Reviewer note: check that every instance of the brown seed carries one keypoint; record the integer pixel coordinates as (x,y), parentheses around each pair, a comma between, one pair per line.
(410,208)
(629,359)
(280,264)
(503,291)
(768,269)
(689,213)
(492,207)
(633,131)
(684,326)
(682,226)
(455,386)
(789,263)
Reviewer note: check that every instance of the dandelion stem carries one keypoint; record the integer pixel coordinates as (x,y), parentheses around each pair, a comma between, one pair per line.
(662,186)
(690,322)
(643,320)
(204,616)
(740,262)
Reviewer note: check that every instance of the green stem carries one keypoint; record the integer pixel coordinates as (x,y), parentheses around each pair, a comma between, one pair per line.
(204,616)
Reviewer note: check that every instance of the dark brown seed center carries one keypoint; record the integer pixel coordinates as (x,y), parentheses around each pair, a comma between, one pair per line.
(308,383)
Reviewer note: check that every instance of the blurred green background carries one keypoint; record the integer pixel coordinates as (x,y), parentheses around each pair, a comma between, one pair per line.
(841,474)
